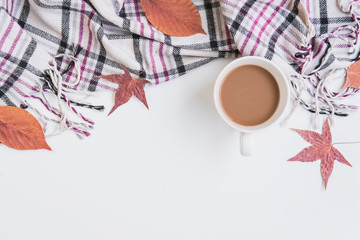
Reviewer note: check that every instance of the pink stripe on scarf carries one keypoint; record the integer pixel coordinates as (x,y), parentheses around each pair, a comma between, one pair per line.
(80,37)
(264,27)
(6,34)
(319,49)
(81,23)
(308,6)
(21,93)
(12,48)
(138,17)
(342,45)
(166,73)
(25,84)
(228,37)
(88,48)
(12,7)
(231,4)
(153,65)
(255,24)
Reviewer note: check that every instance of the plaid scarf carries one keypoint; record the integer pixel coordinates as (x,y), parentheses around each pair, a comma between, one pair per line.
(52,51)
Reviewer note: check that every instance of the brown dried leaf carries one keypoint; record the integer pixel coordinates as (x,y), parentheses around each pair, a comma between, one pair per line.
(173,17)
(352,76)
(20,130)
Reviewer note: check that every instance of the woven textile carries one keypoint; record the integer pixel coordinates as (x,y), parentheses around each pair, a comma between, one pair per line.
(51,50)
(313,41)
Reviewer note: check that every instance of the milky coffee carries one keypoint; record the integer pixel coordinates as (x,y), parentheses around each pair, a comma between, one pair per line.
(249,95)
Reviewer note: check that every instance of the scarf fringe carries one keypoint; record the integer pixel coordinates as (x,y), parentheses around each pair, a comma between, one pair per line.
(320,99)
(62,111)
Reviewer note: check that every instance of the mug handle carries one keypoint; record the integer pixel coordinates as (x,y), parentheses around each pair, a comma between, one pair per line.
(247,145)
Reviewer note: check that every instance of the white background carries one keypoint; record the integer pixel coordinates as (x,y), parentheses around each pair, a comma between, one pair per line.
(175,172)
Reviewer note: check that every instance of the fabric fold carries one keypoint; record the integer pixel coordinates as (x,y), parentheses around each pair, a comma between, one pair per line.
(52,51)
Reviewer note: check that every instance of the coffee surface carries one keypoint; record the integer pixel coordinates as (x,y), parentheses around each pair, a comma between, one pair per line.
(249,95)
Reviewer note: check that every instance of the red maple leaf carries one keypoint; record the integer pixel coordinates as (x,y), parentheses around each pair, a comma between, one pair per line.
(127,86)
(321,148)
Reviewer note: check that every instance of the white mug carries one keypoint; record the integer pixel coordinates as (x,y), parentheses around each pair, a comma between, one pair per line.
(246,138)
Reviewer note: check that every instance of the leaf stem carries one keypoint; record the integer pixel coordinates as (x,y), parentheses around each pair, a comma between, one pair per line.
(345,143)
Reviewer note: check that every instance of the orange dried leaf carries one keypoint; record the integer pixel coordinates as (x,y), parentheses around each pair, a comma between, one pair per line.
(352,76)
(20,130)
(173,17)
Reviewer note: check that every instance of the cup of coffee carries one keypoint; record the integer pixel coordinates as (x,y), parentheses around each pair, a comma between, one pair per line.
(251,94)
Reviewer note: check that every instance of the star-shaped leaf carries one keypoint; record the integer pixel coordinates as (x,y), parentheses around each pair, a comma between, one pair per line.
(127,86)
(321,149)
